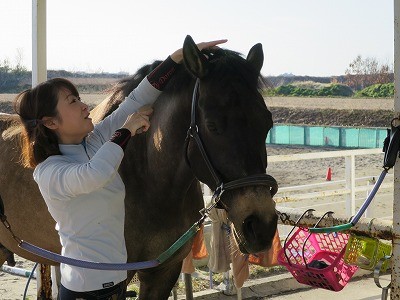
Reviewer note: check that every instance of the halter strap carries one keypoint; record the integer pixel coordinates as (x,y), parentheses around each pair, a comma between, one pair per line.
(193,132)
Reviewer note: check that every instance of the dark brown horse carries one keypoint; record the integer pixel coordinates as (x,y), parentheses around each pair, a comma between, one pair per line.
(162,168)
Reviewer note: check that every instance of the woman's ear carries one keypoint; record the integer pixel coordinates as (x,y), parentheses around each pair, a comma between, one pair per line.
(50,122)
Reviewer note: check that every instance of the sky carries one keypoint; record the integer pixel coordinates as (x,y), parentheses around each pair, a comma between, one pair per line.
(302,37)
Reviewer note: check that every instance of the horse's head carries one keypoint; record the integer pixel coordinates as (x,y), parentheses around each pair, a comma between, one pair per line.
(232,122)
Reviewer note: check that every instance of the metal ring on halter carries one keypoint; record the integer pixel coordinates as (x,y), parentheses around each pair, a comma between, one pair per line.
(196,128)
(206,210)
(215,199)
(377,272)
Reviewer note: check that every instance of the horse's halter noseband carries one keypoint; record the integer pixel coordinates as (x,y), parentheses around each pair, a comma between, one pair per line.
(258,179)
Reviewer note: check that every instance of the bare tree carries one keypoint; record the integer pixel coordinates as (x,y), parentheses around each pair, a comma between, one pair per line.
(365,72)
(12,77)
(19,58)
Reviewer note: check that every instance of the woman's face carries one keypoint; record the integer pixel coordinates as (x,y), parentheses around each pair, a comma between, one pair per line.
(72,122)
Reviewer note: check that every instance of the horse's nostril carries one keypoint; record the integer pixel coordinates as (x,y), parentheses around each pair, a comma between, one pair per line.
(255,230)
(250,227)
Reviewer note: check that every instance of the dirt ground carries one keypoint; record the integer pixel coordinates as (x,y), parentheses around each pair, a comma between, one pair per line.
(295,110)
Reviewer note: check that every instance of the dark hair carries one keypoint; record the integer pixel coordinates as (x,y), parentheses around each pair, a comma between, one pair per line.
(38,141)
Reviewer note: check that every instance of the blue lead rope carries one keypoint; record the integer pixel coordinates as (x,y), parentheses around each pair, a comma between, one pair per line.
(191,232)
(371,195)
(87,264)
(391,147)
(359,214)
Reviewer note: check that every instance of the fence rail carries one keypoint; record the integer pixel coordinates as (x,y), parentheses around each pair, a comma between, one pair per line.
(347,187)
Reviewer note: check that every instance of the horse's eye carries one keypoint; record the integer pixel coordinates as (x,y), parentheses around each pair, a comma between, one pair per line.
(211,126)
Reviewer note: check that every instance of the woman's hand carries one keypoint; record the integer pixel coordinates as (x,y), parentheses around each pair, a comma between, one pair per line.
(140,121)
(177,56)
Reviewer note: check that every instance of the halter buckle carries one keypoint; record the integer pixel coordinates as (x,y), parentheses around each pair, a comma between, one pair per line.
(192,129)
(218,193)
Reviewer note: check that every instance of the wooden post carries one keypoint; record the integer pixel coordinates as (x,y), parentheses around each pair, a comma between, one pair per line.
(39,74)
(39,65)
(44,283)
(395,292)
(188,286)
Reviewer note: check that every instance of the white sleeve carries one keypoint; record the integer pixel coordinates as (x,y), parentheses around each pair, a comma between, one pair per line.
(144,94)
(59,178)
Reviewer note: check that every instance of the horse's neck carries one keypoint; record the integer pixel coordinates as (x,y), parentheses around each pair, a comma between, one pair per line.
(162,152)
(169,128)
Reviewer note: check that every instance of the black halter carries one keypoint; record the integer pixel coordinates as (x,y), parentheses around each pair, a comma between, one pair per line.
(257,179)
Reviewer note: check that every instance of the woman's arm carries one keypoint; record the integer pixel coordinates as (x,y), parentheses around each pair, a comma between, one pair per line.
(60,178)
(145,94)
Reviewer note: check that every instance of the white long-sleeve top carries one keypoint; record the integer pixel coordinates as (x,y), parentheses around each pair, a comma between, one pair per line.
(85,195)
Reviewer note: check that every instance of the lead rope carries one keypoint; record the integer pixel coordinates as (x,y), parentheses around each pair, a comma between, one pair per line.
(110,266)
(191,232)
(105,266)
(29,280)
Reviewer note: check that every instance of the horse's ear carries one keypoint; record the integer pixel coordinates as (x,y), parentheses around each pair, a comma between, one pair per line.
(256,57)
(194,60)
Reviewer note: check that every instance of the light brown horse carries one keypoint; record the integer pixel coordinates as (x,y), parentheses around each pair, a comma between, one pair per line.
(162,168)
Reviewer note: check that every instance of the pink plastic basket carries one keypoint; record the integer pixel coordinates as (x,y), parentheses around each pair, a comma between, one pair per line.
(316,259)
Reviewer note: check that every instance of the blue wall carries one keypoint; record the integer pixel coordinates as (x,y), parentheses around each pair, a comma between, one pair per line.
(345,137)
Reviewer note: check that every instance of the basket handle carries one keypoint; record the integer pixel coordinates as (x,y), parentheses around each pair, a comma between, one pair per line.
(377,272)
(290,232)
(309,234)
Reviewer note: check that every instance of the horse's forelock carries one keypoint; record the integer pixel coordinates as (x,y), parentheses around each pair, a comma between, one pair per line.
(227,62)
(232,66)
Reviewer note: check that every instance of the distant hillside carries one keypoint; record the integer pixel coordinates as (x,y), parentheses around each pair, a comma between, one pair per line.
(96,82)
(86,82)
(276,81)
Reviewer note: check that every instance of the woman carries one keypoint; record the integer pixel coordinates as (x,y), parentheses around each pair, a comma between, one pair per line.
(76,169)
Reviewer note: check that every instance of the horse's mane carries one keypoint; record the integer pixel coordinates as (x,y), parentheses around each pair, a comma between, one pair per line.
(224,62)
(122,88)
(10,125)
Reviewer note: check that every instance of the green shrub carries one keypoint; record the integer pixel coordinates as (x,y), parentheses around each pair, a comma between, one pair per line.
(298,90)
(385,90)
(336,90)
(285,90)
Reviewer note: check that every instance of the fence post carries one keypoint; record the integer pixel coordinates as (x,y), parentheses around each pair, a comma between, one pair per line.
(395,292)
(188,286)
(350,184)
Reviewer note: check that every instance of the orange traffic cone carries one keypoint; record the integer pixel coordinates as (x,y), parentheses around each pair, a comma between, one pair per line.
(329,174)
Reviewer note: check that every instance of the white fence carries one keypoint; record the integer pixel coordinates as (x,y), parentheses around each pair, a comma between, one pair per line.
(349,187)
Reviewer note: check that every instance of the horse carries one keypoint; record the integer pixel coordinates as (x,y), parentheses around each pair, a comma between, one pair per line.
(209,125)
